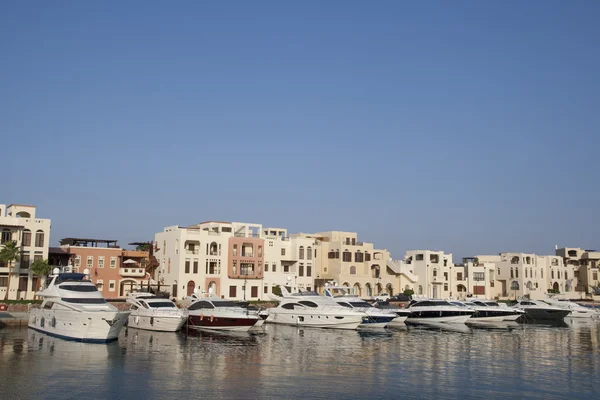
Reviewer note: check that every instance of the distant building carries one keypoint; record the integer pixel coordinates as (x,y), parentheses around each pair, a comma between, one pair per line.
(116,271)
(586,265)
(433,270)
(19,223)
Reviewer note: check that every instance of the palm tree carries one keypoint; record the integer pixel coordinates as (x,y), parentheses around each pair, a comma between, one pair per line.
(41,269)
(9,254)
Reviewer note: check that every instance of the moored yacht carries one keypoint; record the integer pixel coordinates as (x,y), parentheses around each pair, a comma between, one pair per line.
(540,311)
(309,309)
(74,309)
(213,313)
(154,314)
(489,311)
(376,317)
(577,310)
(425,311)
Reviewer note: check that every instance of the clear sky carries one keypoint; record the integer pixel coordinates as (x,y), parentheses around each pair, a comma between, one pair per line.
(466,126)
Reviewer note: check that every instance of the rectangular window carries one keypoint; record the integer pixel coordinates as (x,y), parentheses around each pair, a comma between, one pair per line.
(111,286)
(266,267)
(90,262)
(187,265)
(234,250)
(254,291)
(266,290)
(25,261)
(435,272)
(308,271)
(595,276)
(77,261)
(232,291)
(27,238)
(445,276)
(37,257)
(283,252)
(100,261)
(195,266)
(445,287)
(274,269)
(459,276)
(113,262)
(478,276)
(99,284)
(6,236)
(301,270)
(419,257)
(286,269)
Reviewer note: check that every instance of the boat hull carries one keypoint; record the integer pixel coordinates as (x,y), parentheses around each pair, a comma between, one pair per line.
(350,322)
(92,327)
(158,323)
(541,314)
(452,319)
(239,323)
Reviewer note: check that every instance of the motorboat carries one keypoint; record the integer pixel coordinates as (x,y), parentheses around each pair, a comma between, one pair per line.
(309,309)
(577,310)
(376,317)
(154,314)
(214,313)
(426,311)
(73,308)
(489,311)
(540,311)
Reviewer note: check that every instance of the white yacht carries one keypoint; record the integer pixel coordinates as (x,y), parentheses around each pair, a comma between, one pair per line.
(425,311)
(577,310)
(154,314)
(74,309)
(213,313)
(489,311)
(376,317)
(540,311)
(309,309)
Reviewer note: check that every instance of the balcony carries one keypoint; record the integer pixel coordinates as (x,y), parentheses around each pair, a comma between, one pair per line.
(193,252)
(132,272)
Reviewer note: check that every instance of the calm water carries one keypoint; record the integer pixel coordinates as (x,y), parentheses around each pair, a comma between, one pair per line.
(508,361)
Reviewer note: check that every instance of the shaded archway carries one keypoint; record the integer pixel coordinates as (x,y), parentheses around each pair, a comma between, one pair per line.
(212,288)
(555,287)
(127,286)
(378,289)
(357,290)
(345,284)
(190,288)
(461,288)
(389,289)
(368,290)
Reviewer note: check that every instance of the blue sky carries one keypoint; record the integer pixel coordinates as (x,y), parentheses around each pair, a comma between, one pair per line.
(468,126)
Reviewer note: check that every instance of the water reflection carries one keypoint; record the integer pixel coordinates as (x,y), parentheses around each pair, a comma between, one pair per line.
(481,361)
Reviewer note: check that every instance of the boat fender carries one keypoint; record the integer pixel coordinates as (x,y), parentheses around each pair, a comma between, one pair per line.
(137,319)
(152,321)
(212,318)
(53,322)
(201,317)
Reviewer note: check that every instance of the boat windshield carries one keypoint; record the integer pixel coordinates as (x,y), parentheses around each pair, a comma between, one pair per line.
(161,304)
(71,276)
(456,303)
(360,304)
(97,300)
(491,304)
(79,288)
(429,303)
(305,294)
(225,304)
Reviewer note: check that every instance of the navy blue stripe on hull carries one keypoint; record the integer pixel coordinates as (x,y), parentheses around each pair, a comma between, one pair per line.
(72,339)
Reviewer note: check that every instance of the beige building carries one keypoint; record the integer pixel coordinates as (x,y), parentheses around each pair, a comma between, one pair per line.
(432,271)
(586,265)
(19,223)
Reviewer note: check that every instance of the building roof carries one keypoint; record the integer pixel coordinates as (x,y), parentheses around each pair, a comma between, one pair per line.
(88,242)
(58,250)
(212,222)
(21,205)
(13,225)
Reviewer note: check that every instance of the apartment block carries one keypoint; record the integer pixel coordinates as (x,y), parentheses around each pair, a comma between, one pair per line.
(585,263)
(19,223)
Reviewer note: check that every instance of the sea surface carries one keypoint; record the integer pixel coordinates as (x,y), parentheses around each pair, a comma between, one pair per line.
(499,361)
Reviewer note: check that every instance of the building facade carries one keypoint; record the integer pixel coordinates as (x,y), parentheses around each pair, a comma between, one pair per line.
(114,270)
(18,223)
(586,266)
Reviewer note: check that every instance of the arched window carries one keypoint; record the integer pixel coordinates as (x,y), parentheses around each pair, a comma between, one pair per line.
(529,285)
(525,272)
(301,253)
(514,285)
(309,253)
(420,289)
(517,272)
(512,272)
(368,289)
(6,235)
(558,274)
(337,254)
(552,274)
(353,270)
(331,254)
(39,238)
(542,273)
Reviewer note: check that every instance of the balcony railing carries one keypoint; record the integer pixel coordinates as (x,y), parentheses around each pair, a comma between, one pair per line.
(137,272)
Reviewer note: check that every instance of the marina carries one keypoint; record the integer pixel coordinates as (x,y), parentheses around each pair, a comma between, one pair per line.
(288,362)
